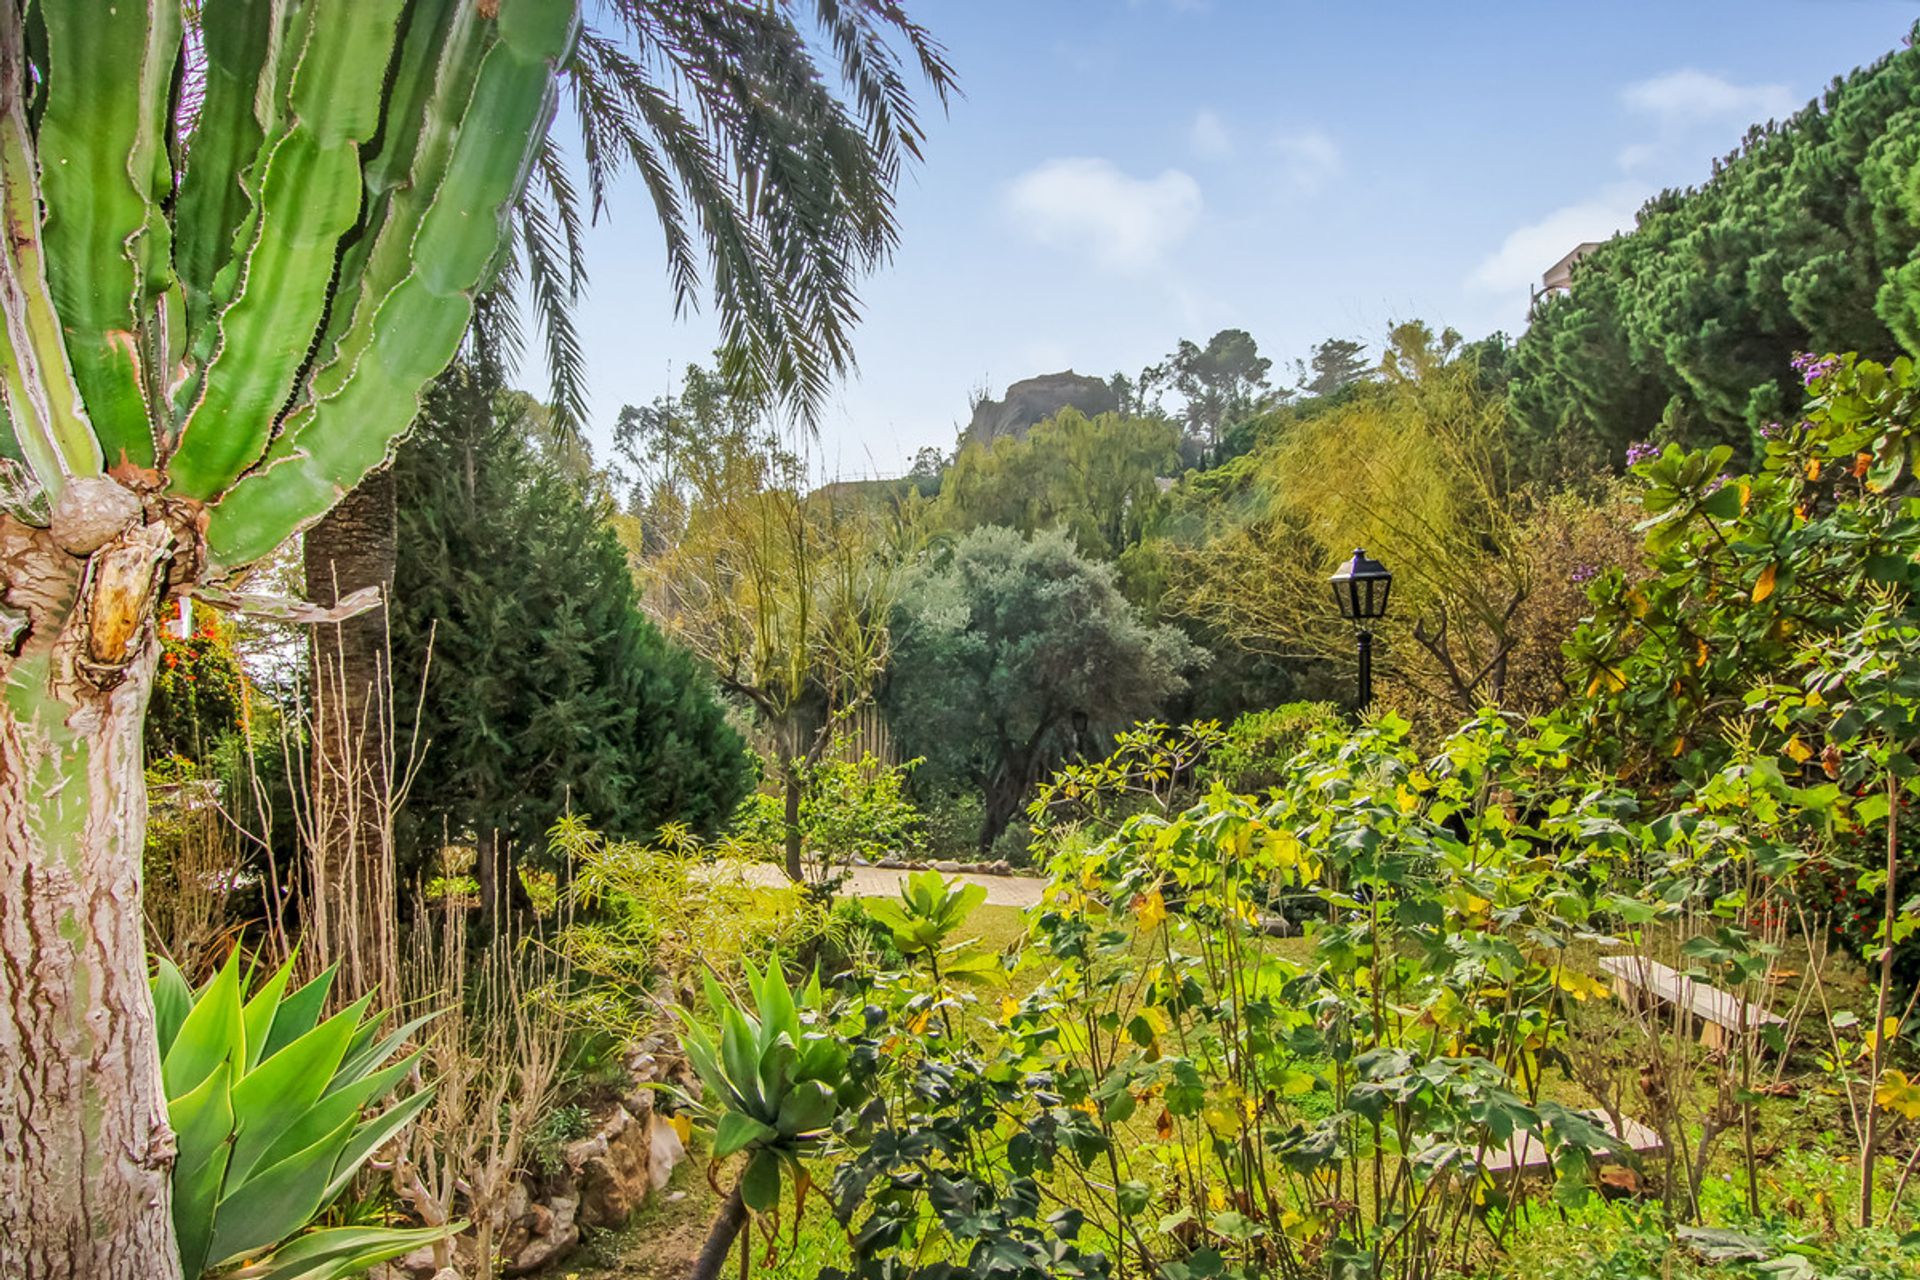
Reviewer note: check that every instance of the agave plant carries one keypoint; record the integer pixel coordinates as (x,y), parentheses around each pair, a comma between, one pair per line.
(931,910)
(772,1083)
(274,1108)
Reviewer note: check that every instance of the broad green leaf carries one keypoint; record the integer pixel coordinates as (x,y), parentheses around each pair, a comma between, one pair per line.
(736,1131)
(273,1096)
(213,1032)
(259,1012)
(371,1135)
(299,1013)
(323,1116)
(808,1108)
(343,1251)
(276,1201)
(360,1063)
(202,1124)
(760,1182)
(172,1002)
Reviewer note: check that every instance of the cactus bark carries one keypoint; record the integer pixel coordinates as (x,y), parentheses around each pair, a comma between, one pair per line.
(231,316)
(84,1145)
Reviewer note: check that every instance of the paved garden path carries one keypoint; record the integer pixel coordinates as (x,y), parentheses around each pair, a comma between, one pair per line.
(877,882)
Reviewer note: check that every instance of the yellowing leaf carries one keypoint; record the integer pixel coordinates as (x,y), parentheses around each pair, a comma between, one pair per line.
(1008,1008)
(1764,587)
(1813,468)
(1407,800)
(1897,1093)
(1151,909)
(682,1126)
(1579,985)
(1798,750)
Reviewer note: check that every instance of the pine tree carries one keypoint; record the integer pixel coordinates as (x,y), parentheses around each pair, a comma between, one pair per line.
(546,690)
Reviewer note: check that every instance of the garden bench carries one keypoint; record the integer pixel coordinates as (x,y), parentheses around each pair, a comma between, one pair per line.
(1722,1014)
(1529,1155)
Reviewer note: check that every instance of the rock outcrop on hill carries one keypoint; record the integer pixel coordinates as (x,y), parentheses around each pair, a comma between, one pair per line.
(1034,400)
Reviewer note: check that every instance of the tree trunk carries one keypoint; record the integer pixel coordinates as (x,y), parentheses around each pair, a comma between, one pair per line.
(1004,792)
(85,1152)
(720,1238)
(795,781)
(352,920)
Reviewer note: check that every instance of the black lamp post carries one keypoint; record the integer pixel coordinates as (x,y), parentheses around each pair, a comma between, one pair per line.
(1360,588)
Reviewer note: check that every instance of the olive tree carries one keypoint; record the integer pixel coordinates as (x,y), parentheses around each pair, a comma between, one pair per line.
(230,266)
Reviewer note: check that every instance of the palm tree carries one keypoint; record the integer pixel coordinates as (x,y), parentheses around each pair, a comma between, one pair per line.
(754,162)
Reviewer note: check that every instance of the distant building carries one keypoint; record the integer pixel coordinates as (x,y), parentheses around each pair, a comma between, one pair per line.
(1559,276)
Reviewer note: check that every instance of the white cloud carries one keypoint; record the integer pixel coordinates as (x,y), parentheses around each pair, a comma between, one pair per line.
(1208,136)
(1308,158)
(1122,222)
(1637,155)
(1689,95)
(1530,250)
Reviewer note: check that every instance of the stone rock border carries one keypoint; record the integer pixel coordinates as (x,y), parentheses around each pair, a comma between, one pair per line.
(628,1156)
(945,866)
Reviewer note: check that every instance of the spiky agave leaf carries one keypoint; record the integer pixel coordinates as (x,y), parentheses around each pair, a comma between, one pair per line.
(272,1133)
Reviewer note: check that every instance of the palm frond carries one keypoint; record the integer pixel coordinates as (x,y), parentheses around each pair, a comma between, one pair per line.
(752,159)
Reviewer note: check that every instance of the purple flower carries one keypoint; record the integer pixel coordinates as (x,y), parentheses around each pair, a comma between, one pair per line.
(1772,430)
(1584,573)
(1642,451)
(1812,368)
(1719,480)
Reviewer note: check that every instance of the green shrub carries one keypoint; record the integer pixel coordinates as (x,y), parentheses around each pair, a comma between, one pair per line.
(547,1144)
(267,1102)
(848,808)
(646,914)
(1253,755)
(199,696)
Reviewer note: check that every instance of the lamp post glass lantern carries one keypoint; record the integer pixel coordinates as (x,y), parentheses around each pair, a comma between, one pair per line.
(1360,589)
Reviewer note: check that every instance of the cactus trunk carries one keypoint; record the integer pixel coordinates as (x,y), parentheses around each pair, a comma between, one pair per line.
(85,1151)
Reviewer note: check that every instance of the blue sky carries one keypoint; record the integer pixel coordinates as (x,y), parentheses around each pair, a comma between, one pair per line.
(1124,173)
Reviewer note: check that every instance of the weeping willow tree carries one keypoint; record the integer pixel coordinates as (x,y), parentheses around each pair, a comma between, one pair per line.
(1415,470)
(229,269)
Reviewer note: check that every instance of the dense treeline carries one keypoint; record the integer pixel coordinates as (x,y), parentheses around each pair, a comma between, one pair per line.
(1806,239)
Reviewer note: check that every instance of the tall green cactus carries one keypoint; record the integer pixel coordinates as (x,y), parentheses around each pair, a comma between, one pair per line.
(240,238)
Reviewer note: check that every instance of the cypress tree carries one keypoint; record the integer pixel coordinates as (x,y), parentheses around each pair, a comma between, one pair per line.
(547,691)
